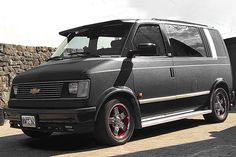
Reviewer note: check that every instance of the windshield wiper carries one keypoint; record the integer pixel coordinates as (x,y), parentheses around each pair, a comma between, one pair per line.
(83,54)
(55,58)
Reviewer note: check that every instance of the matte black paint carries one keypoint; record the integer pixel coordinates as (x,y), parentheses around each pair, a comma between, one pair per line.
(154,76)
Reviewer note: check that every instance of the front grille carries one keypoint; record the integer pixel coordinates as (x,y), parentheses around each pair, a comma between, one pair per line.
(39,90)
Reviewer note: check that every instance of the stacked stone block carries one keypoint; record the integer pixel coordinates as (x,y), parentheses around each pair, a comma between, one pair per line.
(15,59)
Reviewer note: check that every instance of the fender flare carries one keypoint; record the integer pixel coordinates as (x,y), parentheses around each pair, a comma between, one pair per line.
(219,81)
(222,82)
(121,90)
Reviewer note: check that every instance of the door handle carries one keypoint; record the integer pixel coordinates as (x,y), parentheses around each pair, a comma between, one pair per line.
(172,73)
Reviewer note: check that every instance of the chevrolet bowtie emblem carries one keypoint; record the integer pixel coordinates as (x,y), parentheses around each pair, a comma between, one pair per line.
(34,91)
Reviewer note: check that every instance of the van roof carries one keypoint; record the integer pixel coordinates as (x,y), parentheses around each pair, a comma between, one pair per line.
(67,32)
(179,21)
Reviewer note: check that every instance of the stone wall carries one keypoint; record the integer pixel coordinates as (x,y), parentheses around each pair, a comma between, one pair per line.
(15,59)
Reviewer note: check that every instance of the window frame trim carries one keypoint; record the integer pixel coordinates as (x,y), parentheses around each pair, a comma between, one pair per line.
(211,43)
(162,34)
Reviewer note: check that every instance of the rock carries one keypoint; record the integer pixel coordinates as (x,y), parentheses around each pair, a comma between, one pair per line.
(48,54)
(37,56)
(29,59)
(38,49)
(2,73)
(16,66)
(10,69)
(36,62)
(25,67)
(2,104)
(30,49)
(17,63)
(20,71)
(5,69)
(20,48)
(25,54)
(9,49)
(1,48)
(50,49)
(2,64)
(16,58)
(44,49)
(12,75)
(3,86)
(5,59)
(5,97)
(19,53)
(10,62)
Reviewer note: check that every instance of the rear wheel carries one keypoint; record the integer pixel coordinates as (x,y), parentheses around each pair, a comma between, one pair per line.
(219,102)
(36,134)
(115,123)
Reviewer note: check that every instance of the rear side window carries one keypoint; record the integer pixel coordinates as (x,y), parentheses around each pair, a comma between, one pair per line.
(185,41)
(218,42)
(150,34)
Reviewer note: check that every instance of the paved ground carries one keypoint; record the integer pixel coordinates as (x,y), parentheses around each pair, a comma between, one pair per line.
(189,137)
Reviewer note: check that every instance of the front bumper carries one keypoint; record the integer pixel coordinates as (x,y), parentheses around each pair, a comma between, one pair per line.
(55,120)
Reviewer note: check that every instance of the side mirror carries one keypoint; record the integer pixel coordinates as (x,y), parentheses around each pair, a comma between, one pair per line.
(143,49)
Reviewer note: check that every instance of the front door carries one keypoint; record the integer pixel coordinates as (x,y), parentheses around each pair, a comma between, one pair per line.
(153,74)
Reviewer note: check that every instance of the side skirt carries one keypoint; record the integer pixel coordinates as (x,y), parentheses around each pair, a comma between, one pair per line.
(150,121)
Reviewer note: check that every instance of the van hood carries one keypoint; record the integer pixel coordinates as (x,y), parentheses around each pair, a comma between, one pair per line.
(66,69)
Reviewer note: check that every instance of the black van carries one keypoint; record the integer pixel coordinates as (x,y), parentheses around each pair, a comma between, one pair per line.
(113,77)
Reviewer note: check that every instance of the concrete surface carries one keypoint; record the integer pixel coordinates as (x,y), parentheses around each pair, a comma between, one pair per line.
(190,137)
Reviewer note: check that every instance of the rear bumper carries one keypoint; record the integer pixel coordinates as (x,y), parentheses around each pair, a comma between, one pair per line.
(55,120)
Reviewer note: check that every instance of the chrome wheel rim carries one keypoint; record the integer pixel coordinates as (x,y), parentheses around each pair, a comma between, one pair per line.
(119,121)
(220,105)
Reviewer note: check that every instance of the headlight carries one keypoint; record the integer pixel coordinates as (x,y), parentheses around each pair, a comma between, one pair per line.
(79,88)
(15,89)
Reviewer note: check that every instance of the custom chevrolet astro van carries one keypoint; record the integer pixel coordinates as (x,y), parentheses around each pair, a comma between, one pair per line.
(113,77)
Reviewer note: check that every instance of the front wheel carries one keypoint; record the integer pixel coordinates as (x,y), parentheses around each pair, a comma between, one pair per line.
(115,123)
(219,102)
(36,134)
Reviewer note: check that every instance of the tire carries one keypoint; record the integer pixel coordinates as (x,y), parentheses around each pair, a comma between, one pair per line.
(219,102)
(36,134)
(115,123)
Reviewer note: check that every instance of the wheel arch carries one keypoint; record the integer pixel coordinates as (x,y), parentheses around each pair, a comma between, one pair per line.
(220,82)
(124,92)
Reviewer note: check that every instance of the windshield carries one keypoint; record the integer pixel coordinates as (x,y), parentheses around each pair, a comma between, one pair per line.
(94,41)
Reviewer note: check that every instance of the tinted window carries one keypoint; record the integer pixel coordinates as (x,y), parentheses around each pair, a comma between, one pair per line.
(185,41)
(218,42)
(150,34)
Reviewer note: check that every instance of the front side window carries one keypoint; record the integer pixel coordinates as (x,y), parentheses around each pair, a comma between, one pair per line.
(150,34)
(94,41)
(185,41)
